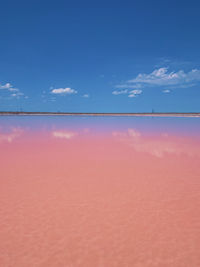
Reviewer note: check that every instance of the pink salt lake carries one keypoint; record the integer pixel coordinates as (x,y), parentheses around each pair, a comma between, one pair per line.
(99,192)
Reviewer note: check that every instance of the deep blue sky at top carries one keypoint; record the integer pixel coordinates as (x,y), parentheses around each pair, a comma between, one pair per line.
(96,50)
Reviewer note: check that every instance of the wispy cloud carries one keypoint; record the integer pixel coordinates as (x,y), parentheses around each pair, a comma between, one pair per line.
(9,87)
(86,95)
(18,94)
(166,91)
(130,93)
(6,86)
(134,93)
(163,77)
(129,86)
(64,91)
(120,92)
(160,78)
(13,92)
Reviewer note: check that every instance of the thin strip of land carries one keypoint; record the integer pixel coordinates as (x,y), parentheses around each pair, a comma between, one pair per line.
(155,114)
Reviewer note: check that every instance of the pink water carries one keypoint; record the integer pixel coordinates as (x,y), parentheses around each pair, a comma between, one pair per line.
(76,196)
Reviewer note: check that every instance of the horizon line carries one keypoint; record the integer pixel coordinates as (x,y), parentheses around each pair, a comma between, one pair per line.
(150,114)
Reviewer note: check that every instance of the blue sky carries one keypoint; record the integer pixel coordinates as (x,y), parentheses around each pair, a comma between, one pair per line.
(108,56)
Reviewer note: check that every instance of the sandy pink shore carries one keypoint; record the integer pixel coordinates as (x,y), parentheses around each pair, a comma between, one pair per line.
(117,201)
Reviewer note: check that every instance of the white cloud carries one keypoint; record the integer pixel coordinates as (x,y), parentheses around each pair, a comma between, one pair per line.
(64,91)
(6,86)
(125,91)
(166,91)
(64,134)
(9,87)
(86,95)
(162,77)
(134,93)
(14,92)
(17,94)
(129,86)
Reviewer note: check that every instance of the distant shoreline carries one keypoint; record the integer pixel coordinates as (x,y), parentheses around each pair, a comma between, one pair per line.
(143,114)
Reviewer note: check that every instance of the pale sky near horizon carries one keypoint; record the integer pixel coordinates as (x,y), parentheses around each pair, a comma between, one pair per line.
(108,56)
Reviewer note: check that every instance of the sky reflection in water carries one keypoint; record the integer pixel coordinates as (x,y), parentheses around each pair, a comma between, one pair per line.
(99,191)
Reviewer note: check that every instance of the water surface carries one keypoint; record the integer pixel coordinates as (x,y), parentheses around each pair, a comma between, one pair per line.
(105,192)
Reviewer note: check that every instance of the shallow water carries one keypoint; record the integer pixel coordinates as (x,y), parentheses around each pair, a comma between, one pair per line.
(105,192)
